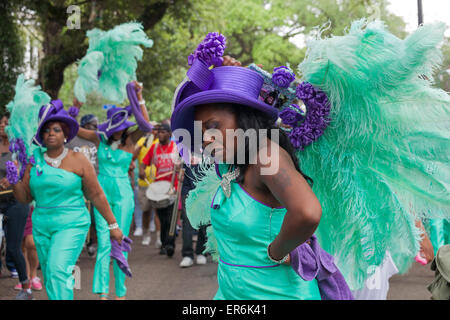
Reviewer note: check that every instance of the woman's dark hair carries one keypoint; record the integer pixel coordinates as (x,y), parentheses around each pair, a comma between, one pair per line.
(123,139)
(249,118)
(5,114)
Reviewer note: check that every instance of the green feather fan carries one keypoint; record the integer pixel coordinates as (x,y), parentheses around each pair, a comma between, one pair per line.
(198,204)
(384,161)
(111,61)
(24,112)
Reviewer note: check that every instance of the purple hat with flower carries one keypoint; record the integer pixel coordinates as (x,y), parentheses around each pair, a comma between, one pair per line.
(117,120)
(222,84)
(54,111)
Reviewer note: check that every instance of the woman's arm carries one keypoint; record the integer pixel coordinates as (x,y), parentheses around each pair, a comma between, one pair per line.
(83,133)
(94,192)
(89,135)
(137,134)
(21,190)
(134,137)
(294,193)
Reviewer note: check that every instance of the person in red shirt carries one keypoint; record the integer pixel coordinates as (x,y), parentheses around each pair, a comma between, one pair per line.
(164,155)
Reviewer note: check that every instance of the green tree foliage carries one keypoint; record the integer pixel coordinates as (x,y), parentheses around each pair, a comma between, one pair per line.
(442,78)
(268,32)
(265,32)
(11,51)
(63,46)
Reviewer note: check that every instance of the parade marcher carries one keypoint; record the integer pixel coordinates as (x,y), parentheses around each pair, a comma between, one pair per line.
(164,155)
(247,216)
(16,214)
(112,58)
(89,149)
(187,251)
(116,143)
(353,137)
(58,180)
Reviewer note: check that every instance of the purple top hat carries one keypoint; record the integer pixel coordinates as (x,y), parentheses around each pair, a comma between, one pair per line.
(226,84)
(54,111)
(117,121)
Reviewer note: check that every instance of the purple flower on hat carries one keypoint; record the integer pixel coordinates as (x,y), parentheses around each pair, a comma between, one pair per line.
(210,50)
(316,119)
(73,111)
(321,97)
(283,76)
(305,91)
(290,116)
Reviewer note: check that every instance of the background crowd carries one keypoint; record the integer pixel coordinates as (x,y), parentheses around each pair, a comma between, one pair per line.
(19,255)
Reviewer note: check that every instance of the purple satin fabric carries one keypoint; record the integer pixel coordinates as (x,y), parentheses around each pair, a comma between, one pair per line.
(136,109)
(200,74)
(310,262)
(117,254)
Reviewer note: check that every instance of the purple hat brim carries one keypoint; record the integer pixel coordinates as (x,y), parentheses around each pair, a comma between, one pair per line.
(183,116)
(70,122)
(102,128)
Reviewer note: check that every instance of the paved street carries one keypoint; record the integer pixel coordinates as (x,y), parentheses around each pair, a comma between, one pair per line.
(159,277)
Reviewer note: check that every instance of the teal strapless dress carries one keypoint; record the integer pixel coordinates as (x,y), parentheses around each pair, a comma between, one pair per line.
(243,228)
(60,225)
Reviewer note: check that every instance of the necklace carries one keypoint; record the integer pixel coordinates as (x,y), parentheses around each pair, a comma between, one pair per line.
(56,162)
(226,181)
(115,144)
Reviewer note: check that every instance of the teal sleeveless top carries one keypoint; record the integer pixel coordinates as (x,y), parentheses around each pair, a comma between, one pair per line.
(113,163)
(243,228)
(58,195)
(113,176)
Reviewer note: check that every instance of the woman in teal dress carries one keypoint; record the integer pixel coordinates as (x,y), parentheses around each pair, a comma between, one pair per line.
(58,181)
(256,218)
(115,151)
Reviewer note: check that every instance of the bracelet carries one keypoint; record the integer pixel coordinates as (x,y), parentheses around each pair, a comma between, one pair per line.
(113,226)
(141,102)
(277,261)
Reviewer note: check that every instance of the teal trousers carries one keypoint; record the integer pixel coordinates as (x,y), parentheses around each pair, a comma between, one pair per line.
(59,243)
(121,199)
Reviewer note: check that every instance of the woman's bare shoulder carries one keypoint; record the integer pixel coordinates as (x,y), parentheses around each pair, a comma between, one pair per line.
(271,156)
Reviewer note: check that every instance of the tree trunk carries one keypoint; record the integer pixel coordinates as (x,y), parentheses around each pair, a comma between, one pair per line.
(62,46)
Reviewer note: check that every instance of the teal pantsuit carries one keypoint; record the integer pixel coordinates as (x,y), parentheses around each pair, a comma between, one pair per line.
(114,179)
(60,224)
